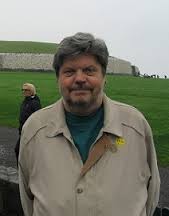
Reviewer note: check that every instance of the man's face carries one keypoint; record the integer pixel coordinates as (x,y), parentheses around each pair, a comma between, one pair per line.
(81,84)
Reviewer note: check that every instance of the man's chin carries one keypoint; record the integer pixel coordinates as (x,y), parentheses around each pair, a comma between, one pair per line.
(79,103)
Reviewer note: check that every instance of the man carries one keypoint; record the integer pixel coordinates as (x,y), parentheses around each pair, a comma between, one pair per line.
(86,154)
(30,104)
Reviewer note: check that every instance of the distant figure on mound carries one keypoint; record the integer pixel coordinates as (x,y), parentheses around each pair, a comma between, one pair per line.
(30,104)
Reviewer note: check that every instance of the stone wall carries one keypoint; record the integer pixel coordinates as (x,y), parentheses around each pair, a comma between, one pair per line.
(30,61)
(119,66)
(1,61)
(27,61)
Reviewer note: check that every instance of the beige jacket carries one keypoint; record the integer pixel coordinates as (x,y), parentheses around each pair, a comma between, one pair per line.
(120,177)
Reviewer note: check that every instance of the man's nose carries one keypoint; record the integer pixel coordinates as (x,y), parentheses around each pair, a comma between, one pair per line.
(80,76)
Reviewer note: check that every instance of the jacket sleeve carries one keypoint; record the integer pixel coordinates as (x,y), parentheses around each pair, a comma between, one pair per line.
(154,181)
(25,192)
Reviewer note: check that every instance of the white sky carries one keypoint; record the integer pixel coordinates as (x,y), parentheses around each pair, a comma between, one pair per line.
(134,30)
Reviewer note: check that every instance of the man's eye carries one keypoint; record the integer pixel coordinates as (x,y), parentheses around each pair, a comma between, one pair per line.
(89,71)
(68,72)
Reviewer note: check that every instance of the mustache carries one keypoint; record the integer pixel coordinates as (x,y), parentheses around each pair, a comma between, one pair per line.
(78,88)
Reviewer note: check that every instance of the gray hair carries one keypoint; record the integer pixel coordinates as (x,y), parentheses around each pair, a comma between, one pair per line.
(81,43)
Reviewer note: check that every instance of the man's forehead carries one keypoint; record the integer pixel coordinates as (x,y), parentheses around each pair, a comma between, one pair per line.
(85,59)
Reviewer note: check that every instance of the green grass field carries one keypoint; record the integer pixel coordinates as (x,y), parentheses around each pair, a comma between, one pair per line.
(27,47)
(150,96)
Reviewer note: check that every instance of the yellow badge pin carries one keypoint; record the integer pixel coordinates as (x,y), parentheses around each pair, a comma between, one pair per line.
(119,141)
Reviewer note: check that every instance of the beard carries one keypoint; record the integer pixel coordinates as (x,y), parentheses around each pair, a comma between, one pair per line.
(77,101)
(81,103)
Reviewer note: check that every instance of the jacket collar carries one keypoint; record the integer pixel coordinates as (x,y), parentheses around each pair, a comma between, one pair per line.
(57,123)
(112,122)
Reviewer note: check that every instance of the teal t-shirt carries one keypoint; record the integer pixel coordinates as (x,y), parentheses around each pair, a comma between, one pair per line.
(85,129)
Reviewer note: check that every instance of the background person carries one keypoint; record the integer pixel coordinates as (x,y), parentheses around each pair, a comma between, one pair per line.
(30,104)
(87,154)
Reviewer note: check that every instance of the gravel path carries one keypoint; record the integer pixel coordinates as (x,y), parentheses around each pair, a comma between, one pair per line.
(9,136)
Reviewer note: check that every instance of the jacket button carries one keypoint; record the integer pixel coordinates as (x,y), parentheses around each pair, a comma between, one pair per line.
(79,190)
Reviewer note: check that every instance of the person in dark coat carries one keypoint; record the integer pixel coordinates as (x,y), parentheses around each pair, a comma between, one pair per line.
(30,104)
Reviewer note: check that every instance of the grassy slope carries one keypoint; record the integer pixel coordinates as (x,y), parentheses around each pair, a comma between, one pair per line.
(149,95)
(27,47)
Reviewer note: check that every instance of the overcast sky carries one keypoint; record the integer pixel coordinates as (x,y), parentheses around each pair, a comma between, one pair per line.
(134,30)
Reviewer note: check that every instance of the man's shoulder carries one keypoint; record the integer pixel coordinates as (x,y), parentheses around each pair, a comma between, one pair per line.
(45,114)
(127,115)
(125,108)
(42,113)
(41,118)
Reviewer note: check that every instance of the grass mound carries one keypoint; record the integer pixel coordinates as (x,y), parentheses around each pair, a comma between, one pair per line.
(27,47)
